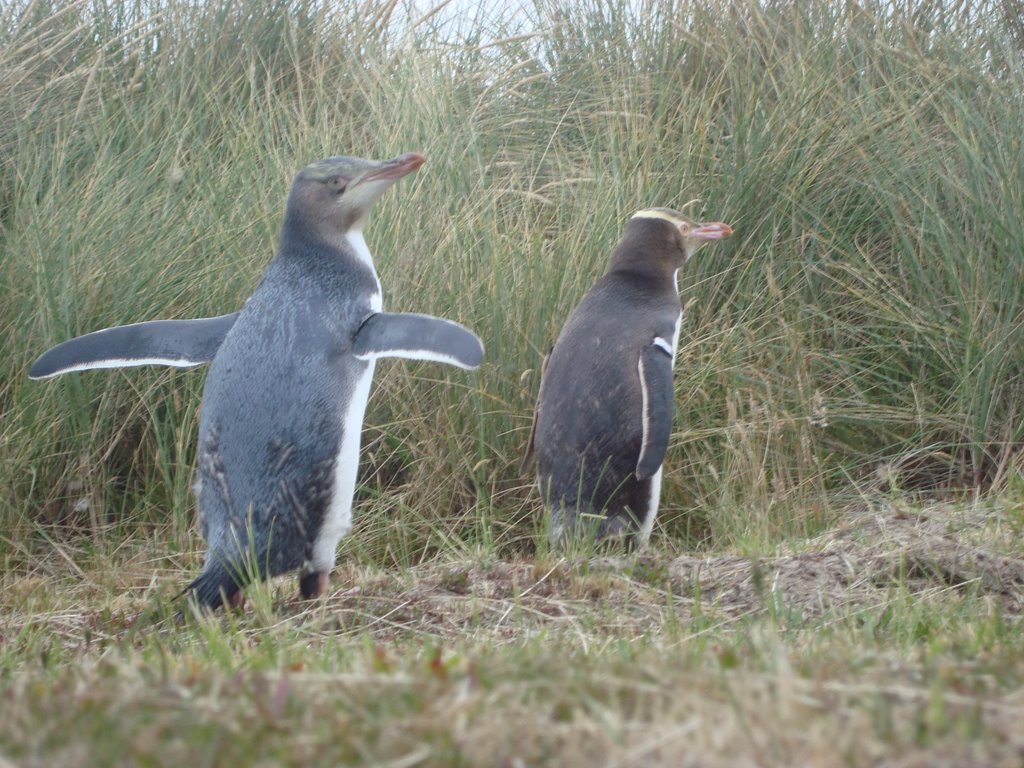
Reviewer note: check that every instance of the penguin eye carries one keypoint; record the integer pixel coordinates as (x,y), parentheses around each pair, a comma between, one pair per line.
(337,184)
(684,228)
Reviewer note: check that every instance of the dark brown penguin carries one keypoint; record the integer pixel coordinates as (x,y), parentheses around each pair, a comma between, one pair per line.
(604,414)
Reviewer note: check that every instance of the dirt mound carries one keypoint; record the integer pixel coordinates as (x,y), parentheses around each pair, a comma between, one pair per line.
(871,557)
(867,557)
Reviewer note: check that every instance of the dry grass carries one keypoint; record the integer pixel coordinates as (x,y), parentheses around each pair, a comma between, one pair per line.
(929,552)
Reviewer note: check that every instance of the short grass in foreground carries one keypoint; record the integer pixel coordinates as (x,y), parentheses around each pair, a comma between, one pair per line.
(895,637)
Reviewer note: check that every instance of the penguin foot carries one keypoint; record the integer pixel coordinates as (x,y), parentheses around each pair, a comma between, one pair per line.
(313,585)
(237,601)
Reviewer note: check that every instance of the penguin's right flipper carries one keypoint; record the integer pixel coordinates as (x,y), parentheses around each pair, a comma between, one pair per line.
(655,365)
(417,337)
(528,457)
(177,343)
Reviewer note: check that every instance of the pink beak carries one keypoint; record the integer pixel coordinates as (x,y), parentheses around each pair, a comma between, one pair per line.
(712,230)
(397,167)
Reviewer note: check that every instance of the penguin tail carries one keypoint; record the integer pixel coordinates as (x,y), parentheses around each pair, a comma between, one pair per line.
(212,588)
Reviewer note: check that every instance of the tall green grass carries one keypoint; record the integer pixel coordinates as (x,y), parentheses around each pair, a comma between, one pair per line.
(864,325)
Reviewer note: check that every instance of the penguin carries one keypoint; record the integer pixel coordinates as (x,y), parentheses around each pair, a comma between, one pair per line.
(604,413)
(289,379)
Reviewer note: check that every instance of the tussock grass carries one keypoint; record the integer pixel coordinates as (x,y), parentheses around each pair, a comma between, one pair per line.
(860,337)
(865,321)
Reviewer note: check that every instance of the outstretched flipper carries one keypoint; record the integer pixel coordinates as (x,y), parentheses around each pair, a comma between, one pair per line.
(417,337)
(655,365)
(177,343)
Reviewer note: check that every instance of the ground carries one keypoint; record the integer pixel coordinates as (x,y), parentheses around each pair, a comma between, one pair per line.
(894,639)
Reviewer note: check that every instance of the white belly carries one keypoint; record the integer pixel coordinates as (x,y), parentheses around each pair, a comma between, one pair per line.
(338,519)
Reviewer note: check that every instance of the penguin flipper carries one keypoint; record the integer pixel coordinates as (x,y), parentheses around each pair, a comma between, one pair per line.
(528,457)
(655,365)
(417,337)
(177,343)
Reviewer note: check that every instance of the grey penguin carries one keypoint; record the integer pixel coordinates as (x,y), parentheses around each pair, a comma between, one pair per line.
(604,413)
(285,396)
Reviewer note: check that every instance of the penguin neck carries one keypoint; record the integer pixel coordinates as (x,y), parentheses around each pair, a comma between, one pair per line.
(320,236)
(648,248)
(646,263)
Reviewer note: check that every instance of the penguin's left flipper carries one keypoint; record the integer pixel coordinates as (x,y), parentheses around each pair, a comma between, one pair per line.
(177,343)
(417,337)
(655,367)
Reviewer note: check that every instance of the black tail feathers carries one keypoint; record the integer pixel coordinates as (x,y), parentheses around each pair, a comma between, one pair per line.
(212,588)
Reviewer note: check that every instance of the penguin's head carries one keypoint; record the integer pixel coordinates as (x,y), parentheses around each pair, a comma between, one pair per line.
(335,195)
(675,231)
